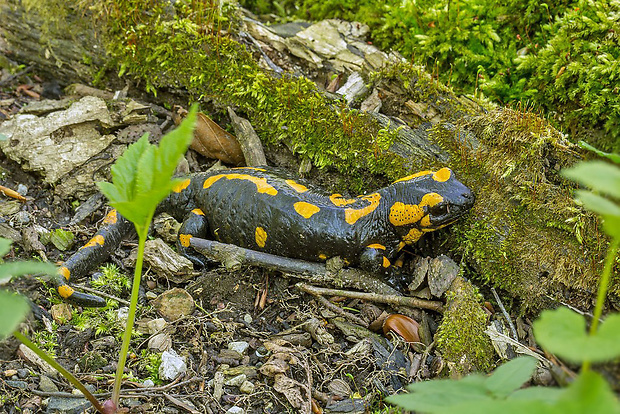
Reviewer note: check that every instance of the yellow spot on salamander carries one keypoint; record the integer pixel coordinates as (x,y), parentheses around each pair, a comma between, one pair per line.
(306,210)
(296,186)
(339,200)
(322,256)
(386,262)
(405,214)
(413,236)
(198,212)
(65,291)
(426,221)
(351,215)
(261,236)
(98,240)
(181,185)
(412,176)
(65,272)
(261,183)
(401,245)
(442,175)
(185,239)
(376,246)
(431,199)
(111,217)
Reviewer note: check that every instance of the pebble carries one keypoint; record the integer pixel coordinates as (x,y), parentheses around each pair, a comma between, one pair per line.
(239,346)
(174,304)
(247,318)
(148,383)
(236,381)
(22,189)
(22,217)
(122,314)
(23,373)
(156,325)
(46,384)
(104,342)
(235,410)
(441,273)
(172,365)
(160,342)
(22,385)
(61,313)
(67,405)
(247,387)
(9,373)
(33,358)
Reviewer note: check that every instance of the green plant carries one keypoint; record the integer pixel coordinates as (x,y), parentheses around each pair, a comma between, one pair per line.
(141,179)
(561,331)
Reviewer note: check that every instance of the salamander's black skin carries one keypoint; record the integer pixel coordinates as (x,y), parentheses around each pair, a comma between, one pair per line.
(267,210)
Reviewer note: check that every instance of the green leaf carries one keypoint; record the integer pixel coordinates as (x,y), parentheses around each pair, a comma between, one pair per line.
(598,204)
(432,396)
(13,310)
(589,393)
(563,332)
(13,269)
(547,394)
(62,239)
(511,376)
(5,246)
(598,175)
(611,225)
(613,157)
(142,176)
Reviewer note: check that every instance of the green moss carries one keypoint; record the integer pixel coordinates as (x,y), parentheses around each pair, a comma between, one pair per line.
(525,234)
(460,337)
(186,48)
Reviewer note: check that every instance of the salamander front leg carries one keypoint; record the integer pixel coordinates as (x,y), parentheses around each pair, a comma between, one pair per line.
(195,225)
(374,260)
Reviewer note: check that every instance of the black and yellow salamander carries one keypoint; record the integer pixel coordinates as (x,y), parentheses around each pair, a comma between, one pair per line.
(266,209)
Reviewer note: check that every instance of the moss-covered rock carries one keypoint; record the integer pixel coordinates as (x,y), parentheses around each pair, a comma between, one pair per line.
(461,339)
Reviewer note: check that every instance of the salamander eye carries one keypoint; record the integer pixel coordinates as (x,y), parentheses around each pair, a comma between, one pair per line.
(440,210)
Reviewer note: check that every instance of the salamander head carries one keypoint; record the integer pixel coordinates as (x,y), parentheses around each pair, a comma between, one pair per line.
(428,201)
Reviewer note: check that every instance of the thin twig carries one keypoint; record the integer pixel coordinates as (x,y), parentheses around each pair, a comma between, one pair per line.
(337,309)
(374,297)
(105,295)
(506,316)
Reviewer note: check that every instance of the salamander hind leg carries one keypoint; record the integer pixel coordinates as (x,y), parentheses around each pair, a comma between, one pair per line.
(194,225)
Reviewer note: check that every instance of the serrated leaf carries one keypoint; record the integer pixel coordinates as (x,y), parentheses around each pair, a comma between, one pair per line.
(144,171)
(5,246)
(431,396)
(124,169)
(563,332)
(611,156)
(18,268)
(589,393)
(511,376)
(13,310)
(597,175)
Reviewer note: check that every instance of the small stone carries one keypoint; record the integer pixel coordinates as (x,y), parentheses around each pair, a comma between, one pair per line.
(151,295)
(61,313)
(23,373)
(47,385)
(419,273)
(22,217)
(67,405)
(235,410)
(9,372)
(441,273)
(239,346)
(235,381)
(353,88)
(34,359)
(174,304)
(247,387)
(122,314)
(22,385)
(104,342)
(22,189)
(148,383)
(372,103)
(247,318)
(172,365)
(160,342)
(156,325)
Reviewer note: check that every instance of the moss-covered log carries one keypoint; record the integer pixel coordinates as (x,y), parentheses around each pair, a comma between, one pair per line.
(524,235)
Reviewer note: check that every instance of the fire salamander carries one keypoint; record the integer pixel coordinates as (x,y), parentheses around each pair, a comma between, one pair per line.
(265,209)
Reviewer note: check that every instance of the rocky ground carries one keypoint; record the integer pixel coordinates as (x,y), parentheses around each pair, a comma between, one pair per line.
(234,340)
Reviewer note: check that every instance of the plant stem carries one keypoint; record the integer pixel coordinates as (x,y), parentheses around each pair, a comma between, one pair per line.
(69,376)
(122,358)
(603,285)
